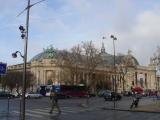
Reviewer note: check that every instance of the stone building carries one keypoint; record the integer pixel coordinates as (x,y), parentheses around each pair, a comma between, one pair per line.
(127,74)
(155,62)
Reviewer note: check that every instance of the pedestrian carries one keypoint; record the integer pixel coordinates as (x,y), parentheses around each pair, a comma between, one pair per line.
(54,101)
(135,100)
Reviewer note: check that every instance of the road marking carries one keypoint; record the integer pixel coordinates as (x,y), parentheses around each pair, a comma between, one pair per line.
(28,114)
(64,110)
(41,110)
(39,113)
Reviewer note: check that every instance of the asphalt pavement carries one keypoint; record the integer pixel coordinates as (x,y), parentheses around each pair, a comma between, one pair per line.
(77,109)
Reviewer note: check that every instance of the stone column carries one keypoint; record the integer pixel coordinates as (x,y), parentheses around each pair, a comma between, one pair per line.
(44,77)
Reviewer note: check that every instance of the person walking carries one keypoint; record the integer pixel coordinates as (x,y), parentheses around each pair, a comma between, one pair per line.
(54,100)
(135,101)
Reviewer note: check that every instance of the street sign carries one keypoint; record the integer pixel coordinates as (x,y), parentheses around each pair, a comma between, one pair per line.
(3,68)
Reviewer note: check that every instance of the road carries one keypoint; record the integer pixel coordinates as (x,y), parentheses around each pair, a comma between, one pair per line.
(74,109)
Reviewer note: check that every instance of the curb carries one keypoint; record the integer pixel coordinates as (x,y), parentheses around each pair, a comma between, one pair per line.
(8,115)
(129,110)
(83,105)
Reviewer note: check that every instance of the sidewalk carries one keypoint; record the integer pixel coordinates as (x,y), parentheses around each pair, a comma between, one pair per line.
(10,116)
(152,106)
(155,107)
(98,104)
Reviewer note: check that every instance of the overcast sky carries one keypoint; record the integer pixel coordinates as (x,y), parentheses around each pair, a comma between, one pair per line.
(65,23)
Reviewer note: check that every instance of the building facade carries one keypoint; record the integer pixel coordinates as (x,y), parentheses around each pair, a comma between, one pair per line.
(47,71)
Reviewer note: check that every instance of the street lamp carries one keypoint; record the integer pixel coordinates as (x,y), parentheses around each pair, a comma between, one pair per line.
(24,35)
(114,38)
(114,77)
(14,55)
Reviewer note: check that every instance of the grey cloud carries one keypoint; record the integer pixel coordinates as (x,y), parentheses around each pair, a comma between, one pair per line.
(144,36)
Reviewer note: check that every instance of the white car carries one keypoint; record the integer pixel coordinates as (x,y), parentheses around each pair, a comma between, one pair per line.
(33,95)
(48,94)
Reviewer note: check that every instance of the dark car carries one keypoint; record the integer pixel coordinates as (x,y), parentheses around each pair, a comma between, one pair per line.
(112,96)
(4,94)
(102,93)
(127,93)
(61,95)
(92,95)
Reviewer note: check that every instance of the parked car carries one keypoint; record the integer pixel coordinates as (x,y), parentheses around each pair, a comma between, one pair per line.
(127,93)
(48,94)
(33,95)
(92,94)
(102,92)
(112,96)
(61,95)
(4,94)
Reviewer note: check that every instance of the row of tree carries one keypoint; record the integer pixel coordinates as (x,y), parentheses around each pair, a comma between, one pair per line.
(14,80)
(87,57)
(76,58)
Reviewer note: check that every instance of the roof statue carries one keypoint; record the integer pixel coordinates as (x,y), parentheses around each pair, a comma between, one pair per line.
(50,52)
(103,48)
(129,52)
(129,60)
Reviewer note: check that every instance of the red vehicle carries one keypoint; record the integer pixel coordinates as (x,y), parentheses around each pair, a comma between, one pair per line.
(137,89)
(67,91)
(74,91)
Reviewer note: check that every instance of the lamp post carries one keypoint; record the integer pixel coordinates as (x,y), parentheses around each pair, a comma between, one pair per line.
(114,78)
(24,36)
(14,55)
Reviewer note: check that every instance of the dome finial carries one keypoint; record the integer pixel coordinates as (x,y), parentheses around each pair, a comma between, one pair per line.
(129,52)
(103,48)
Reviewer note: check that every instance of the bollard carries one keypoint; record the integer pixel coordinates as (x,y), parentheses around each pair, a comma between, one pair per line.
(8,105)
(20,108)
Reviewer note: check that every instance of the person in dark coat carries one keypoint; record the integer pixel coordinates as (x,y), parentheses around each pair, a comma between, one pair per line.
(54,100)
(135,101)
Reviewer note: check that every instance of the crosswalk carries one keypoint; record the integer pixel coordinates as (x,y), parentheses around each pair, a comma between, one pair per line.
(39,113)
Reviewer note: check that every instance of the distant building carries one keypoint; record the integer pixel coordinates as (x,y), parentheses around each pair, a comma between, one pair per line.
(46,70)
(155,62)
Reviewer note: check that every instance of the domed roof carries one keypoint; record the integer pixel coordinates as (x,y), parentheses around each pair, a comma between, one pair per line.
(108,59)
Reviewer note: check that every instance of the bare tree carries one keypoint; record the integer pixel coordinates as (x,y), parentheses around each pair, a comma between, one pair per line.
(14,80)
(91,60)
(30,80)
(84,56)
(155,61)
(76,58)
(71,60)
(64,76)
(126,63)
(3,82)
